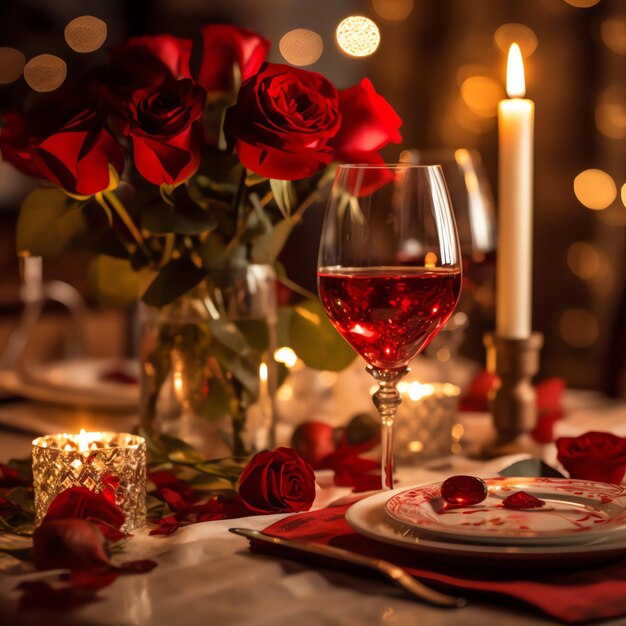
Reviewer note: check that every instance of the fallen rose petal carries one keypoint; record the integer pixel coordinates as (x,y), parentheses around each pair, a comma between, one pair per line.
(41,596)
(81,503)
(69,544)
(136,567)
(91,578)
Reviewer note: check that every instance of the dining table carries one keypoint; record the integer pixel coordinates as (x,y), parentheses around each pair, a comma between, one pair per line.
(206,575)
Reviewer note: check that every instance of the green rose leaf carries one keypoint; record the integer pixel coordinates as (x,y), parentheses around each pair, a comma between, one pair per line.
(113,282)
(266,248)
(174,280)
(284,195)
(49,222)
(315,341)
(182,216)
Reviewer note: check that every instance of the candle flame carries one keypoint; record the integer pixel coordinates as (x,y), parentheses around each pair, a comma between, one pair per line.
(263,372)
(82,439)
(515,81)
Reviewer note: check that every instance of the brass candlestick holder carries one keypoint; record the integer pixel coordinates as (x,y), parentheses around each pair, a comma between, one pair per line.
(513,405)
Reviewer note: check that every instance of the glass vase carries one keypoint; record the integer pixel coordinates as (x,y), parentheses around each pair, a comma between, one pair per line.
(208,373)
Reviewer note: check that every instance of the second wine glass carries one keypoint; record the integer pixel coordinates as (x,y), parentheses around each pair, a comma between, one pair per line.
(389,272)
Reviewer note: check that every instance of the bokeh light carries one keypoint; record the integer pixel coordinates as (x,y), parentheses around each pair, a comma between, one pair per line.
(286,356)
(45,72)
(582,4)
(301,47)
(85,33)
(595,189)
(481,94)
(524,36)
(11,65)
(613,216)
(579,328)
(468,71)
(358,36)
(623,194)
(610,112)
(613,33)
(585,260)
(393,10)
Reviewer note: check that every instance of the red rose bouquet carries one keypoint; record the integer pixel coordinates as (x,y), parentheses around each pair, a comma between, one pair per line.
(179,176)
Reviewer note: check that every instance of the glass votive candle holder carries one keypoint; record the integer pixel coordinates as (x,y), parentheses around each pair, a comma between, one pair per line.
(426,425)
(95,461)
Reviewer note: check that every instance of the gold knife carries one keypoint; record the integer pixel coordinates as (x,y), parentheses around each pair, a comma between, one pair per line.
(389,570)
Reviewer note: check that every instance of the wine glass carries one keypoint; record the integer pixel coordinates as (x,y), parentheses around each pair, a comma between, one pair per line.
(474,211)
(389,272)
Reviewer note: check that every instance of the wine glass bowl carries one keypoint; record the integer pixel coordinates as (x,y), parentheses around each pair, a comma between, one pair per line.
(389,271)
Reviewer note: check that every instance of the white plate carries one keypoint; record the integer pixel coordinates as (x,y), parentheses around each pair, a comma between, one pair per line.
(76,383)
(574,511)
(368,518)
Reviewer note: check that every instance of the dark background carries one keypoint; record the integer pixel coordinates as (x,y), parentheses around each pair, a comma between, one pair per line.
(576,76)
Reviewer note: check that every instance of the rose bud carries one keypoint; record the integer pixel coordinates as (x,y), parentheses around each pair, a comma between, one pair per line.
(361,428)
(313,441)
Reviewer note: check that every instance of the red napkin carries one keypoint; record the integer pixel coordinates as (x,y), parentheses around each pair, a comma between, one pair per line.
(571,594)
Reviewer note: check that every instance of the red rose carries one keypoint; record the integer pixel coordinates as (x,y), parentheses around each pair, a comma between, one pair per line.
(283,122)
(80,503)
(73,148)
(144,62)
(593,456)
(78,155)
(277,481)
(166,136)
(226,50)
(368,123)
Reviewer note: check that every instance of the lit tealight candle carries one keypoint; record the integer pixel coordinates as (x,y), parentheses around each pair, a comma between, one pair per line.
(91,460)
(426,424)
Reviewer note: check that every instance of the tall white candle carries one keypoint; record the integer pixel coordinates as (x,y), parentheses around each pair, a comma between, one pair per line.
(515,217)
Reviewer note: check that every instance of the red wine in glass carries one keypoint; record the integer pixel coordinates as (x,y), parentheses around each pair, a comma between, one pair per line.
(389,314)
(389,272)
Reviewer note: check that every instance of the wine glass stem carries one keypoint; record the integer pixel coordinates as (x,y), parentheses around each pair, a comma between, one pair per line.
(387,399)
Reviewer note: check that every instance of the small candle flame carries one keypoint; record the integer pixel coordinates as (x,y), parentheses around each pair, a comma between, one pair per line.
(515,81)
(82,439)
(263,372)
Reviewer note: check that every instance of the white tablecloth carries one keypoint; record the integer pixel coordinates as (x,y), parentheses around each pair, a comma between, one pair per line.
(206,576)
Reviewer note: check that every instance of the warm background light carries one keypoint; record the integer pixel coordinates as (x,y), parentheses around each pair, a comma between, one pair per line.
(595,189)
(582,4)
(11,65)
(358,36)
(579,328)
(301,46)
(85,33)
(610,114)
(613,33)
(508,34)
(584,260)
(515,81)
(393,10)
(45,72)
(623,194)
(481,94)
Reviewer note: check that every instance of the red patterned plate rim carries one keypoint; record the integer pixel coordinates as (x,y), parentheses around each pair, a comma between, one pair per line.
(576,510)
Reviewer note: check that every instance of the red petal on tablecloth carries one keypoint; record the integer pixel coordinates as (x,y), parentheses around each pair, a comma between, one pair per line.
(571,595)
